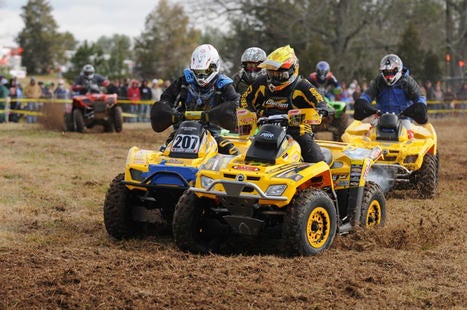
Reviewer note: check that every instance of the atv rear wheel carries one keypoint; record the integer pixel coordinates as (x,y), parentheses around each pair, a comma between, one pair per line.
(373,211)
(340,124)
(117,210)
(311,221)
(190,228)
(78,120)
(426,178)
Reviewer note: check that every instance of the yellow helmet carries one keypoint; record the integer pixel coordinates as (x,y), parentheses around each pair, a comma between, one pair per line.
(282,68)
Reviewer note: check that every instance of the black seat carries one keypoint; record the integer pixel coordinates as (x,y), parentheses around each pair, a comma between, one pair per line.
(266,144)
(388,127)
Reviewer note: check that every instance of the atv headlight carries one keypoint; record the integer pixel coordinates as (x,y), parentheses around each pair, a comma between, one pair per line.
(206,181)
(410,159)
(276,190)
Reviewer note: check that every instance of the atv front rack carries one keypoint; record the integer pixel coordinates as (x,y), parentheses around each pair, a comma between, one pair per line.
(237,189)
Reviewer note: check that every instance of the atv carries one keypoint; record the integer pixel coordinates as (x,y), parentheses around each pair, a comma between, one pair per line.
(154,180)
(269,189)
(410,159)
(337,120)
(95,108)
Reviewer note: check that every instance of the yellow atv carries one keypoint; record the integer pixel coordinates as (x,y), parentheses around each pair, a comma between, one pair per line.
(410,159)
(154,180)
(269,188)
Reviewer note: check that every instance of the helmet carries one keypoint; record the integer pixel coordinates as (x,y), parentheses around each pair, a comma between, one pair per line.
(250,59)
(391,68)
(322,70)
(281,67)
(88,71)
(205,64)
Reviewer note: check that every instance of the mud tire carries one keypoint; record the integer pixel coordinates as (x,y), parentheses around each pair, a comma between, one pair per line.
(117,210)
(373,212)
(426,178)
(78,120)
(190,230)
(117,119)
(311,222)
(340,124)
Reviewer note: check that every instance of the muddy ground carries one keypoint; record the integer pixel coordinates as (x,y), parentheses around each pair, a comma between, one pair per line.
(56,254)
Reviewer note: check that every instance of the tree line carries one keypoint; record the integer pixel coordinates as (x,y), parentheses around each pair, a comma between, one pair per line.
(352,35)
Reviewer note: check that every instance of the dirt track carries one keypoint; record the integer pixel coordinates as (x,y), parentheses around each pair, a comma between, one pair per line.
(55,252)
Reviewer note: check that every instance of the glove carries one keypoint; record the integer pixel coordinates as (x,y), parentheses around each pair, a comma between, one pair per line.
(363,109)
(323,113)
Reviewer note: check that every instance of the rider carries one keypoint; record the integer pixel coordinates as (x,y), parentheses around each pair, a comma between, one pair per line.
(250,59)
(325,81)
(395,91)
(88,80)
(200,88)
(283,89)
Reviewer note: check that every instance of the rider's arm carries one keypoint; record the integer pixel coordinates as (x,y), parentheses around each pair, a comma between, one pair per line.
(363,107)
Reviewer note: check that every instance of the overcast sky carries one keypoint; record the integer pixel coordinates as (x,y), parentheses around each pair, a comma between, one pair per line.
(85,19)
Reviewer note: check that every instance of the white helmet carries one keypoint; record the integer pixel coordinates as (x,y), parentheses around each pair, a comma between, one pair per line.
(391,68)
(88,71)
(205,64)
(250,59)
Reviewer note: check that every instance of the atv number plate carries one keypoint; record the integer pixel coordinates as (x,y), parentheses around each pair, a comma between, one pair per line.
(185,144)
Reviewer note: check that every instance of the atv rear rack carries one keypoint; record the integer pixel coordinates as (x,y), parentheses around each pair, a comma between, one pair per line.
(236,189)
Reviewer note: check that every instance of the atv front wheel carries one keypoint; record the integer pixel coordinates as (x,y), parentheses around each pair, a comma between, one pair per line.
(311,221)
(373,211)
(78,120)
(426,178)
(117,210)
(190,225)
(117,119)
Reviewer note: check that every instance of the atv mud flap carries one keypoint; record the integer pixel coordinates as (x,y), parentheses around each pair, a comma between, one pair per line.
(354,211)
(237,189)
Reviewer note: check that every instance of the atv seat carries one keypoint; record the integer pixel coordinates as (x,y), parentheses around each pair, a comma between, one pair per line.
(388,127)
(266,144)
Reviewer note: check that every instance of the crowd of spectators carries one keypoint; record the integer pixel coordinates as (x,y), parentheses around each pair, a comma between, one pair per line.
(136,96)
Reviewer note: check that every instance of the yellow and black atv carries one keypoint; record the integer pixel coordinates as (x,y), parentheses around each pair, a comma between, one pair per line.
(154,180)
(269,188)
(410,158)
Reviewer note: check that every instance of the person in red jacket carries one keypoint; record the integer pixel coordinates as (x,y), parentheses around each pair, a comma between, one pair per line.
(134,94)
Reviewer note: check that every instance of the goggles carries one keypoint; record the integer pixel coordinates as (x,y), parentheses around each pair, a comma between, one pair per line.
(281,75)
(251,66)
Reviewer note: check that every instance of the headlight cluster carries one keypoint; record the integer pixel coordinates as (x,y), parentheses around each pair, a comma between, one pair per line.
(206,181)
(276,190)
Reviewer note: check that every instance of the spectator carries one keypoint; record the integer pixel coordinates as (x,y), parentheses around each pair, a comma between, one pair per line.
(32,91)
(3,98)
(462,92)
(113,87)
(122,94)
(429,90)
(133,94)
(146,94)
(15,92)
(60,92)
(156,89)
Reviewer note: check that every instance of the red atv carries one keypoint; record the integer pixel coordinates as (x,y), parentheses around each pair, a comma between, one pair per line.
(95,108)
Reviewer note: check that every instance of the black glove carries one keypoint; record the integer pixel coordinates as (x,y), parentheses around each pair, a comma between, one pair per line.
(363,109)
(323,112)
(417,112)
